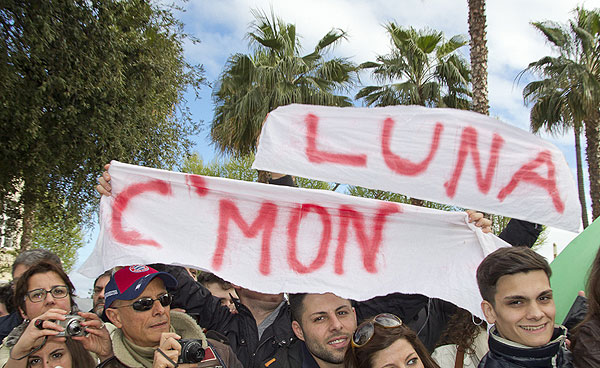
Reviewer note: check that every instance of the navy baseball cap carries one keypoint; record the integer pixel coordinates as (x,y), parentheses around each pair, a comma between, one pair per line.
(129,282)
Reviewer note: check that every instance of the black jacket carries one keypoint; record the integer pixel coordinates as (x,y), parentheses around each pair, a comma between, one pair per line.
(506,354)
(7,323)
(296,355)
(520,233)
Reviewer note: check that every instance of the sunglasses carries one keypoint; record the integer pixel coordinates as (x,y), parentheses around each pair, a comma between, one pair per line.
(145,304)
(365,331)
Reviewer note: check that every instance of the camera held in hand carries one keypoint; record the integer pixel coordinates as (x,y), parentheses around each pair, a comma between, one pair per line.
(72,326)
(191,351)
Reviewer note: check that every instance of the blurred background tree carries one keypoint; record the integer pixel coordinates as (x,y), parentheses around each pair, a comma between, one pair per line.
(82,83)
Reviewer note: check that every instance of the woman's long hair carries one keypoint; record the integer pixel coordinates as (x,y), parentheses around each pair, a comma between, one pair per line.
(462,331)
(593,296)
(80,356)
(362,357)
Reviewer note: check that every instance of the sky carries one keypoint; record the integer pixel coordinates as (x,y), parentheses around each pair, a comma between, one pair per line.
(513,43)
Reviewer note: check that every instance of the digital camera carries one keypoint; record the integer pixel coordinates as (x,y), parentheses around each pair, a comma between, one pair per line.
(191,351)
(72,326)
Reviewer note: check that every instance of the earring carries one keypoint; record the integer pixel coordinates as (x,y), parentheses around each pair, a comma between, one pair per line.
(475,323)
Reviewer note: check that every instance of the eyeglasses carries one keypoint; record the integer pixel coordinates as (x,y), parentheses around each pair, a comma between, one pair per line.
(38,295)
(145,304)
(365,331)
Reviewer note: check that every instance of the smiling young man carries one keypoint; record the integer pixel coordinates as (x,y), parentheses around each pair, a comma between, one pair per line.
(323,324)
(517,298)
(138,303)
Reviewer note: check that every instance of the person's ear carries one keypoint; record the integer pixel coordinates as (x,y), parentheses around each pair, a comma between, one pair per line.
(298,330)
(23,313)
(488,311)
(114,316)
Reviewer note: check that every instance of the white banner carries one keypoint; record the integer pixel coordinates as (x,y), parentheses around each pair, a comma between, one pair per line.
(274,238)
(443,155)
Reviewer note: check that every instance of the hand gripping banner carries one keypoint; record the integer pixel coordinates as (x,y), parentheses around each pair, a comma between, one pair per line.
(443,155)
(273,238)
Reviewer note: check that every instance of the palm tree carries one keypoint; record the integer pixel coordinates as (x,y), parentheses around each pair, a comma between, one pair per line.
(553,111)
(422,68)
(479,56)
(274,74)
(575,77)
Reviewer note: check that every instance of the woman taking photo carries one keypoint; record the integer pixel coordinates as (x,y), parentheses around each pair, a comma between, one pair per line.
(44,296)
(384,341)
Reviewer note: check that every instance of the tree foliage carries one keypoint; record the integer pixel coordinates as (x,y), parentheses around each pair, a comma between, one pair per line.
(568,93)
(240,168)
(273,75)
(81,83)
(62,235)
(422,68)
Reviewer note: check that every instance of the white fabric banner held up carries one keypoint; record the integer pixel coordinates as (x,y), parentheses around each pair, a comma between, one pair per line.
(443,155)
(273,238)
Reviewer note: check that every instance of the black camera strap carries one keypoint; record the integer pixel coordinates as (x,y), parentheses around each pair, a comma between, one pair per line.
(166,357)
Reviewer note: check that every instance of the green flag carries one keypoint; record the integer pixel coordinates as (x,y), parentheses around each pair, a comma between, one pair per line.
(571,268)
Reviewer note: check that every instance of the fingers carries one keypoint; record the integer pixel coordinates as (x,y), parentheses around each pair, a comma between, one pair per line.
(474,215)
(104,187)
(480,221)
(168,348)
(41,324)
(168,340)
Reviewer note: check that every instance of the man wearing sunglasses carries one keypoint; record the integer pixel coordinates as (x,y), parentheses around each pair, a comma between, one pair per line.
(137,302)
(517,299)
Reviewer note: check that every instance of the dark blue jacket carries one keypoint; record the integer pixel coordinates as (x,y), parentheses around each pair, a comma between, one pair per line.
(506,354)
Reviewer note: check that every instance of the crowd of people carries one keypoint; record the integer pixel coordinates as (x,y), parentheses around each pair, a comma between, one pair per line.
(164,315)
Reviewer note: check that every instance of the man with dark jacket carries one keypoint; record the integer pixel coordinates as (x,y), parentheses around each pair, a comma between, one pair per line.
(517,299)
(148,333)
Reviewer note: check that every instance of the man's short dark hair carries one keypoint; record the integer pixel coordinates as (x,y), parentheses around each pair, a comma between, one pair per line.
(6,297)
(297,306)
(507,261)
(33,256)
(105,273)
(206,278)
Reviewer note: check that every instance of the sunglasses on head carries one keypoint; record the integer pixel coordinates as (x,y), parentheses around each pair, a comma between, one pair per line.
(365,331)
(144,304)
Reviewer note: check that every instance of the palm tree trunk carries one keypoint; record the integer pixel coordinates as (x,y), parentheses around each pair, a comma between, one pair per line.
(580,184)
(479,56)
(592,136)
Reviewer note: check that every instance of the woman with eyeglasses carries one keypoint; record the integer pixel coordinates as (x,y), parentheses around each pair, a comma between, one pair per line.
(44,297)
(384,341)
